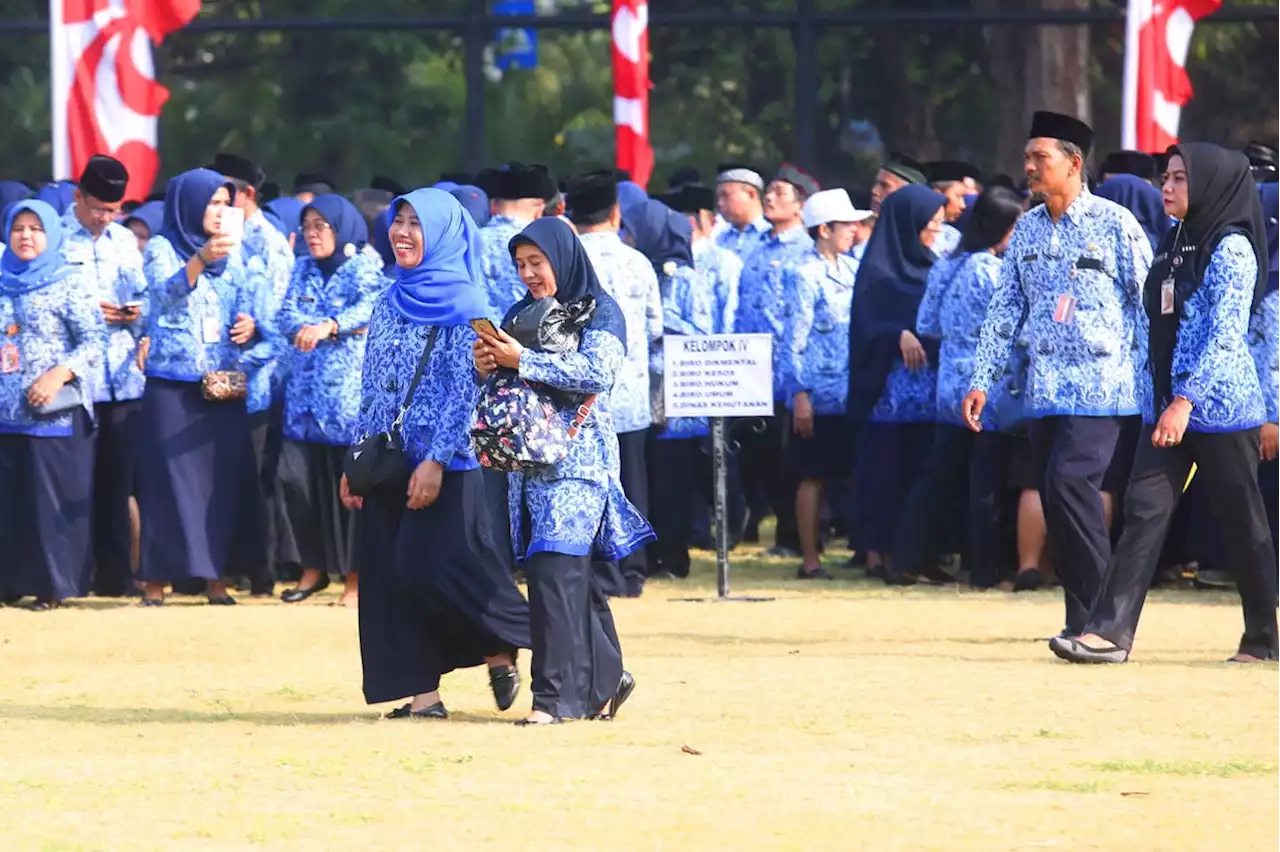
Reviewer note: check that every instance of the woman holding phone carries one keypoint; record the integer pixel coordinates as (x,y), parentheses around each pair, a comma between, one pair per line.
(51,334)
(434,596)
(325,316)
(197,468)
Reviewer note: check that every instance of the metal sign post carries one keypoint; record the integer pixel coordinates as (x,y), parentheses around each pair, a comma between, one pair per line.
(719,376)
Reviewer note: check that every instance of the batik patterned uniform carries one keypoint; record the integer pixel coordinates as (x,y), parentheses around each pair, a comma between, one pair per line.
(627,276)
(816,359)
(58,324)
(725,269)
(322,391)
(438,425)
(742,241)
(1213,367)
(947,239)
(264,241)
(577,507)
(501,280)
(111,269)
(1076,287)
(953,309)
(688,308)
(764,305)
(1264,344)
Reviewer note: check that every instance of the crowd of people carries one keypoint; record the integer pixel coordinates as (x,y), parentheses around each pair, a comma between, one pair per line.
(982,376)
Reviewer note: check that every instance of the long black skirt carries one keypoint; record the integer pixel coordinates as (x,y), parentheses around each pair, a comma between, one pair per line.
(202,512)
(46,505)
(434,595)
(314,529)
(889,457)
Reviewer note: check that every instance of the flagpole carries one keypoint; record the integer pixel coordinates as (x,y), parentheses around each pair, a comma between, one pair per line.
(1132,58)
(59,86)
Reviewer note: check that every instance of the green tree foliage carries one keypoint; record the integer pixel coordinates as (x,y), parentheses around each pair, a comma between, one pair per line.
(357,102)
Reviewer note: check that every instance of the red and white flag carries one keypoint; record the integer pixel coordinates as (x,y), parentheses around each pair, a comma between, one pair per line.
(631,88)
(1156,86)
(105,96)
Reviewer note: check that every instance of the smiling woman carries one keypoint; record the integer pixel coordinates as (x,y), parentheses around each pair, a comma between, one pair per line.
(51,335)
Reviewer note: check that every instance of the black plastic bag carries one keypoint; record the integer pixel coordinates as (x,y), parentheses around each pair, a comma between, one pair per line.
(548,326)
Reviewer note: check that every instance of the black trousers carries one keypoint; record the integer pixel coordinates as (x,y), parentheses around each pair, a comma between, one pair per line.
(634,473)
(764,471)
(1269,484)
(495,501)
(1227,468)
(114,479)
(1074,453)
(577,658)
(957,451)
(681,479)
(266,429)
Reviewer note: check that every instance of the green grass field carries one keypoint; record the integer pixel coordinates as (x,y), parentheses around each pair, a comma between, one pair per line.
(839,716)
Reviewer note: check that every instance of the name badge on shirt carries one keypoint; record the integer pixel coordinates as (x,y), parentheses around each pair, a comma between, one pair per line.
(306,300)
(1065,312)
(1166,297)
(9,360)
(210,330)
(1030,258)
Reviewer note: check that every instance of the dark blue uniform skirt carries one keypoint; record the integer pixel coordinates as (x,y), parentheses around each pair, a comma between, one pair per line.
(434,593)
(46,502)
(890,456)
(196,473)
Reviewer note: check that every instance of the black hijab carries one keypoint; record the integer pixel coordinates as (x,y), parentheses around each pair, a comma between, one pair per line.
(886,295)
(575,276)
(1222,199)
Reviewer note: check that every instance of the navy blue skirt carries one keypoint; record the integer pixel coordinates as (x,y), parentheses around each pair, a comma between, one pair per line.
(196,480)
(46,503)
(435,594)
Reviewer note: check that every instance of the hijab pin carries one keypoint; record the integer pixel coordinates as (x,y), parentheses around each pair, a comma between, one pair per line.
(349,249)
(1177,261)
(669,268)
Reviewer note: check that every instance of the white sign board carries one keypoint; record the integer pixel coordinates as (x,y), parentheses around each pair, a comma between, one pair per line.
(718,375)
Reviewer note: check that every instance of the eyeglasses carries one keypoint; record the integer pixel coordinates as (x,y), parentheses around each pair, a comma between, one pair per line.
(102,212)
(317,228)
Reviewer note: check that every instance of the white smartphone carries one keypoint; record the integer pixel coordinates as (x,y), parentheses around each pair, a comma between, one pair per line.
(232,223)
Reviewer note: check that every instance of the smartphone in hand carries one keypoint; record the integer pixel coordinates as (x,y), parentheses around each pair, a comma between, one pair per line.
(232,223)
(483,328)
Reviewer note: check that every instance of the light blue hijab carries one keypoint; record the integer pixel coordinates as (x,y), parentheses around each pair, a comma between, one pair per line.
(17,276)
(445,288)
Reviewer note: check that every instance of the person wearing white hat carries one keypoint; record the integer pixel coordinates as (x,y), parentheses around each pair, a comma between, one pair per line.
(815,362)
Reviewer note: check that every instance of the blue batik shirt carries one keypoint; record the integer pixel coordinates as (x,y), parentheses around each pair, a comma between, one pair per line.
(437,425)
(265,242)
(1213,367)
(627,276)
(742,241)
(111,267)
(501,281)
(816,360)
(956,297)
(688,308)
(947,240)
(190,327)
(59,324)
(577,506)
(725,269)
(1264,343)
(763,303)
(265,355)
(322,390)
(1075,288)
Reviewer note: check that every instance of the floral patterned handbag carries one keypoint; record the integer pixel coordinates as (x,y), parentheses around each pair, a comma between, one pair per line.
(519,425)
(225,385)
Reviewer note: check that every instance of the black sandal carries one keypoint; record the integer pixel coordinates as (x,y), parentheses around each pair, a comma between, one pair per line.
(435,711)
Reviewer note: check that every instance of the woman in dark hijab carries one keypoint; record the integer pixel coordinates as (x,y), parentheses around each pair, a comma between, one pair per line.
(289,210)
(892,374)
(474,200)
(1205,404)
(52,337)
(434,595)
(565,515)
(197,479)
(325,315)
(1140,198)
(146,220)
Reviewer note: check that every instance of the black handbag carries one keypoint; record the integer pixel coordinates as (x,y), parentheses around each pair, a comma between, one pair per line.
(377,462)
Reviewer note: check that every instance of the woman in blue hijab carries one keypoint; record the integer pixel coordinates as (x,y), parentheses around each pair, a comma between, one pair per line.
(203,521)
(892,374)
(474,200)
(51,336)
(568,514)
(146,220)
(60,195)
(434,596)
(1140,198)
(289,210)
(325,317)
(679,465)
(630,194)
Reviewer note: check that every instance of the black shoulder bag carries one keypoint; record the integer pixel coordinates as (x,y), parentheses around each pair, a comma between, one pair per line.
(377,462)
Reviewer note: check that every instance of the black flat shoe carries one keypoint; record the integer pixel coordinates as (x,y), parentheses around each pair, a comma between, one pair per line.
(296,595)
(534,723)
(435,711)
(626,686)
(505,683)
(815,574)
(151,602)
(225,600)
(1028,581)
(936,576)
